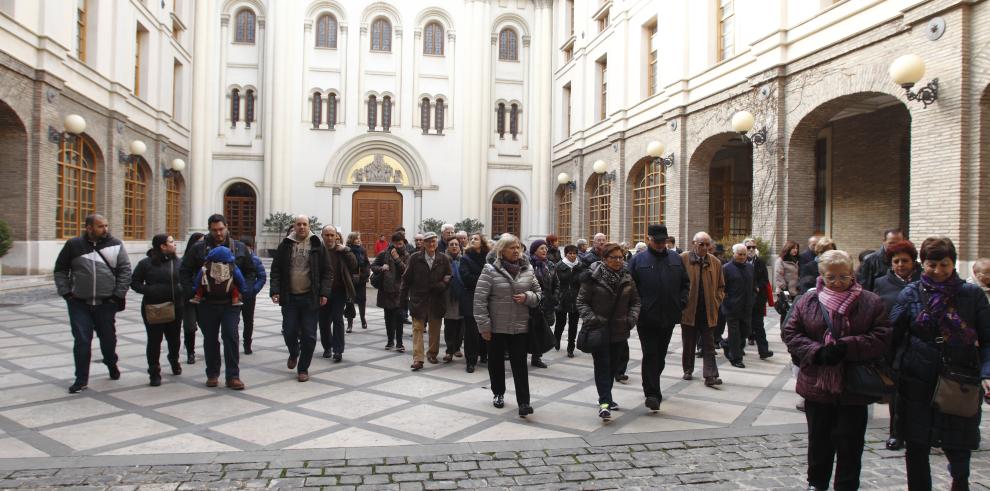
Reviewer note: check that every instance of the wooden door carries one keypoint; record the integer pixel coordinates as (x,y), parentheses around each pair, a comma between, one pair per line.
(506,214)
(240,207)
(375,212)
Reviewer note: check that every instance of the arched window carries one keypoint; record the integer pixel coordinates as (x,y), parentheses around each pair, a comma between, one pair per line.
(508,45)
(372,112)
(500,120)
(173,205)
(381,35)
(514,120)
(76,186)
(438,118)
(331,110)
(244,32)
(506,213)
(424,114)
(326,31)
(599,205)
(135,199)
(235,107)
(386,113)
(648,199)
(317,109)
(249,107)
(565,198)
(433,39)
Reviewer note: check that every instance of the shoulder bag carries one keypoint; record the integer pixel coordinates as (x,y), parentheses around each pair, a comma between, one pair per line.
(867,379)
(956,393)
(162,313)
(591,340)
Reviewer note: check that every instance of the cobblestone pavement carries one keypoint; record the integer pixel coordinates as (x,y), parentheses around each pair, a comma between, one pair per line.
(369,421)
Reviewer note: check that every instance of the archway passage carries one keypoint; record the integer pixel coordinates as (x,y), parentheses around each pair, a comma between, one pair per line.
(13,171)
(730,191)
(240,207)
(506,214)
(376,211)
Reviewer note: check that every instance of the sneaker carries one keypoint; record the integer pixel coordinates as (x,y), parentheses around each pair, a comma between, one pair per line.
(114,372)
(195,300)
(613,406)
(524,410)
(893,443)
(388,347)
(235,384)
(498,402)
(77,387)
(400,348)
(603,411)
(653,403)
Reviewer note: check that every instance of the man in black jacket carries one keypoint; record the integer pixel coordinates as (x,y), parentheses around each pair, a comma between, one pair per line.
(301,280)
(761,283)
(738,304)
(663,287)
(218,318)
(809,254)
(877,264)
(92,273)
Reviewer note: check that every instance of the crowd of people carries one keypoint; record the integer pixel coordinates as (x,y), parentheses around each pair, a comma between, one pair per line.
(896,330)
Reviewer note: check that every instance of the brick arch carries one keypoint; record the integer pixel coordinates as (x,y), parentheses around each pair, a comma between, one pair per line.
(699,165)
(13,171)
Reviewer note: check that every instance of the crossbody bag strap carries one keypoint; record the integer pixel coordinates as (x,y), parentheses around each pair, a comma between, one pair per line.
(112,269)
(827,317)
(171,277)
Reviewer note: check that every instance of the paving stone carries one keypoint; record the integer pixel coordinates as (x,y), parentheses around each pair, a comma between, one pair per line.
(410,476)
(322,481)
(328,463)
(462,466)
(376,479)
(242,466)
(247,474)
(512,471)
(349,480)
(371,461)
(411,486)
(343,471)
(432,485)
(389,469)
(540,479)
(498,464)
(378,487)
(448,475)
(473,483)
(432,467)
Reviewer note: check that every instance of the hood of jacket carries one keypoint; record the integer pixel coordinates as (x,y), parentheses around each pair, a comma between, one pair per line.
(220,254)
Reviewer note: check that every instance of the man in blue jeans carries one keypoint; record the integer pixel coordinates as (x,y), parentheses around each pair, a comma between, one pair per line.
(92,273)
(216,314)
(301,280)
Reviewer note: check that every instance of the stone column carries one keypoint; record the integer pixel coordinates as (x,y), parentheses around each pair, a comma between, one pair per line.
(540,112)
(201,162)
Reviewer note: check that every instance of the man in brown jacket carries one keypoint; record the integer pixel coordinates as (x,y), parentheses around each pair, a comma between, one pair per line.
(342,265)
(701,314)
(424,291)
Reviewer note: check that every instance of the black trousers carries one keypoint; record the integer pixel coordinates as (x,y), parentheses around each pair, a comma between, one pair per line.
(704,336)
(247,316)
(738,330)
(453,334)
(189,328)
(836,433)
(515,345)
(606,368)
(170,331)
(393,326)
(757,331)
(654,339)
(919,476)
(571,320)
(473,344)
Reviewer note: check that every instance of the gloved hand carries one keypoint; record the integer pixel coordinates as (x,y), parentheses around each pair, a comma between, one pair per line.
(832,354)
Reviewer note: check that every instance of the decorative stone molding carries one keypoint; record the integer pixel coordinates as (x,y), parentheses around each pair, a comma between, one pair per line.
(225,20)
(526,40)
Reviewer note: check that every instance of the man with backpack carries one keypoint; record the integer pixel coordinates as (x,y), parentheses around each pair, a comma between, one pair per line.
(217,315)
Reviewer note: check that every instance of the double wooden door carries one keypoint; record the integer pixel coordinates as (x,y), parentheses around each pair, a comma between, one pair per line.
(376,212)
(240,207)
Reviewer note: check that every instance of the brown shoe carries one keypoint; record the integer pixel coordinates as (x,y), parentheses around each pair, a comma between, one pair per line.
(291,364)
(302,377)
(448,358)
(712,381)
(416,366)
(432,359)
(211,382)
(235,384)
(458,355)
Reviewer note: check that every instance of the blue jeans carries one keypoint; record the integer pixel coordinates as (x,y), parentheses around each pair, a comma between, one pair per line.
(608,361)
(332,323)
(299,317)
(84,319)
(218,321)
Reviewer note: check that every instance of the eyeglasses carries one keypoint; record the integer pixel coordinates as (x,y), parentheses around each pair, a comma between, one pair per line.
(751,247)
(615,258)
(836,279)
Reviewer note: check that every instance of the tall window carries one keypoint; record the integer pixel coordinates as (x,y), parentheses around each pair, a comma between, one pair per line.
(249,107)
(244,30)
(651,59)
(565,199)
(326,31)
(506,213)
(433,39)
(570,19)
(514,120)
(603,21)
(386,113)
(235,107)
(438,117)
(599,205)
(332,110)
(372,112)
(140,43)
(648,200)
(567,110)
(500,120)
(317,109)
(176,87)
(76,186)
(726,29)
(173,206)
(603,89)
(81,7)
(381,35)
(424,114)
(135,198)
(508,45)
(821,186)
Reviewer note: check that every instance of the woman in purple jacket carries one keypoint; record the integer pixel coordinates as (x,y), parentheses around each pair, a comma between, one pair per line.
(835,324)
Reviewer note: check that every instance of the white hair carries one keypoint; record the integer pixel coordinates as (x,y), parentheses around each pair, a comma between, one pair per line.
(582,241)
(640,247)
(446,226)
(700,235)
(461,233)
(834,258)
(737,248)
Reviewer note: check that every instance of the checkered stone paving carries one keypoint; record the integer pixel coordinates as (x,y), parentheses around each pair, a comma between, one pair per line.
(371,422)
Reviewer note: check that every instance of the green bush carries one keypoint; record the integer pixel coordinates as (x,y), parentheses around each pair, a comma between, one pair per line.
(761,244)
(279,221)
(470,225)
(6,241)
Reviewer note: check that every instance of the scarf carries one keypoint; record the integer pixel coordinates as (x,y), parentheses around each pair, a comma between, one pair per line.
(513,268)
(837,303)
(568,262)
(539,267)
(696,259)
(610,277)
(940,313)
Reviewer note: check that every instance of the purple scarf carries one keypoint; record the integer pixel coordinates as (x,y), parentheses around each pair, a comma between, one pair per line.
(940,313)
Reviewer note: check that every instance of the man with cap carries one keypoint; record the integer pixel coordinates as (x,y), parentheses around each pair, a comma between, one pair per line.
(663,286)
(424,292)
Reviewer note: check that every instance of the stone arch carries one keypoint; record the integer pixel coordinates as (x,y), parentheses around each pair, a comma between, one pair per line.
(699,176)
(320,7)
(13,171)
(382,9)
(515,21)
(335,174)
(231,7)
(438,14)
(240,224)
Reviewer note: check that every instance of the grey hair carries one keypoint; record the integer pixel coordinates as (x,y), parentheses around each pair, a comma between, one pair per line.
(640,246)
(461,233)
(301,215)
(446,226)
(505,241)
(603,236)
(834,258)
(582,241)
(701,234)
(983,262)
(330,227)
(736,248)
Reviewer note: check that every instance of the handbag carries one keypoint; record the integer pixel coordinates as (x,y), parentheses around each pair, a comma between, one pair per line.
(349,310)
(540,336)
(869,379)
(956,393)
(162,313)
(123,301)
(592,339)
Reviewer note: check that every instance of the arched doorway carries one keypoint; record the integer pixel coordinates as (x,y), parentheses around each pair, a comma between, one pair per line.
(849,170)
(376,211)
(506,214)
(721,177)
(240,207)
(13,147)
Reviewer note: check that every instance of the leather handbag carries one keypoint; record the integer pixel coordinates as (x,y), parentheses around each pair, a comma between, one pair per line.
(957,395)
(162,313)
(592,339)
(869,379)
(541,338)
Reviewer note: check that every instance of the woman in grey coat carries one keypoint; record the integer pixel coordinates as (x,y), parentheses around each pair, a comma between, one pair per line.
(506,290)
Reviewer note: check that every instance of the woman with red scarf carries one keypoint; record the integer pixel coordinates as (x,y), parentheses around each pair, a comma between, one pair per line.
(942,330)
(832,326)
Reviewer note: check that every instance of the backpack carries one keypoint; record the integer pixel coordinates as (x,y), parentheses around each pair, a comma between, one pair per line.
(218,280)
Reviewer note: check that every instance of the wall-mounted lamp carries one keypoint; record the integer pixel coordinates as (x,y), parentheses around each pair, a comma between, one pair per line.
(174,167)
(136,149)
(73,124)
(742,122)
(565,180)
(906,71)
(655,149)
(600,167)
